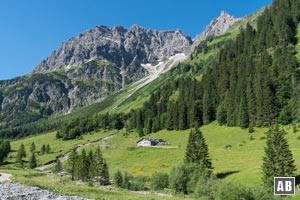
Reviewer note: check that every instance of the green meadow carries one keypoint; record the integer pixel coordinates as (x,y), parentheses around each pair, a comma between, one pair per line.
(236,155)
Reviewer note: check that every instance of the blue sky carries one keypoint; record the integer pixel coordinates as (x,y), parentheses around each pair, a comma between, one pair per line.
(32,29)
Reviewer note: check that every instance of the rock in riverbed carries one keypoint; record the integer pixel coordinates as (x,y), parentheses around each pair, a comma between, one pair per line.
(21,192)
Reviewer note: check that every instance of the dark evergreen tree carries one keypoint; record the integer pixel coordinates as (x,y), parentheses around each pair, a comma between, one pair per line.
(278,160)
(32,162)
(98,164)
(32,147)
(222,114)
(43,149)
(91,165)
(197,150)
(4,150)
(20,155)
(82,167)
(48,149)
(71,163)
(58,165)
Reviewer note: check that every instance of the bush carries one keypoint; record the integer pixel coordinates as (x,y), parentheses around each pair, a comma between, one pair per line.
(207,187)
(159,181)
(179,179)
(229,191)
(139,183)
(118,179)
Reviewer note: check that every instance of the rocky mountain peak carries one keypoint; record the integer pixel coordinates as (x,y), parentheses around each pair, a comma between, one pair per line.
(224,13)
(217,27)
(116,44)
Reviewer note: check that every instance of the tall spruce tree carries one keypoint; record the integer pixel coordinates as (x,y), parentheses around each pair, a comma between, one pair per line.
(32,147)
(20,155)
(4,150)
(32,162)
(58,165)
(99,162)
(91,165)
(72,160)
(48,149)
(82,166)
(197,150)
(43,149)
(278,160)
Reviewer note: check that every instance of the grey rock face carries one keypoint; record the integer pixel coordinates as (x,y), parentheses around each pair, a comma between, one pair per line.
(20,192)
(119,45)
(216,27)
(39,95)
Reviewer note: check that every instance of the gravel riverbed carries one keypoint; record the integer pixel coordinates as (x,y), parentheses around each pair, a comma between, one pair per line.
(20,192)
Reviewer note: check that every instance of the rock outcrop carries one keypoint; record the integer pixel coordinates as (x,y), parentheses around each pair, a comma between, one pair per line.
(217,27)
(124,47)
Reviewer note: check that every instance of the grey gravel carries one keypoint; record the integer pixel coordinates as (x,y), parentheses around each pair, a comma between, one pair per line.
(21,192)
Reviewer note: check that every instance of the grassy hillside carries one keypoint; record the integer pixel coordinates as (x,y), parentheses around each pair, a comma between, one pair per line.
(241,163)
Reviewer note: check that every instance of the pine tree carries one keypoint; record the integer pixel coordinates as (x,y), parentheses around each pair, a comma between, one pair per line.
(72,160)
(243,114)
(32,147)
(43,149)
(82,166)
(91,165)
(5,148)
(197,150)
(58,165)
(222,114)
(32,162)
(22,151)
(48,149)
(20,155)
(99,162)
(278,160)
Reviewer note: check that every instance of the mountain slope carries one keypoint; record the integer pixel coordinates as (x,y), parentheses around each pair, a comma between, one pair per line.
(91,67)
(252,81)
(127,48)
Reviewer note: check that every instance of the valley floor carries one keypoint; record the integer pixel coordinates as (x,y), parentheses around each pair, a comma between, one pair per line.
(236,157)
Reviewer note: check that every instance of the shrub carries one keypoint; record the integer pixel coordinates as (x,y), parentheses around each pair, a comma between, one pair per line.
(229,191)
(159,181)
(118,179)
(179,179)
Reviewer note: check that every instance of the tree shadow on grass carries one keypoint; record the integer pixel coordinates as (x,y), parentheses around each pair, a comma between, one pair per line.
(297,179)
(225,174)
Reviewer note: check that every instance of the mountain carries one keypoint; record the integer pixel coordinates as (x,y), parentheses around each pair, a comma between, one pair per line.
(92,66)
(127,48)
(217,27)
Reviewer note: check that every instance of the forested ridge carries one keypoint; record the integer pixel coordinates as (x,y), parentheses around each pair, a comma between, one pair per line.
(254,81)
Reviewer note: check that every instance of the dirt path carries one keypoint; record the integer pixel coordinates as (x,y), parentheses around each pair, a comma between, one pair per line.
(4,177)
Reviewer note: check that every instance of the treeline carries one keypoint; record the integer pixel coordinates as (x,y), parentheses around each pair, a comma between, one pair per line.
(175,106)
(87,167)
(254,81)
(80,126)
(5,148)
(15,132)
